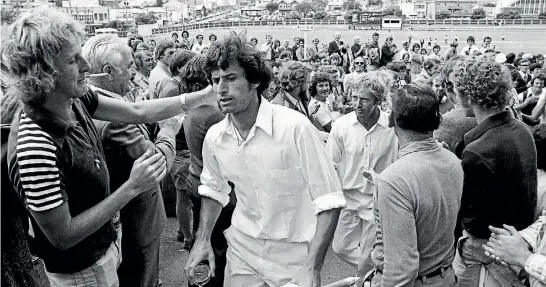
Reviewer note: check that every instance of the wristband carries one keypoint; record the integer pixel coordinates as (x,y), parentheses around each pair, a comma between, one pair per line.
(183,103)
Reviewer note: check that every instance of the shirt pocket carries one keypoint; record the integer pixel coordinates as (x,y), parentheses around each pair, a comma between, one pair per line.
(287,182)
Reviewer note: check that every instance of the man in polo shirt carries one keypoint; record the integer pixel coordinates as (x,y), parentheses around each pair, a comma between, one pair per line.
(422,189)
(360,140)
(295,79)
(143,218)
(500,168)
(288,195)
(161,74)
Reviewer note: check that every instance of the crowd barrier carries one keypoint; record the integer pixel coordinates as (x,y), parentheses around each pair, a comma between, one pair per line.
(420,24)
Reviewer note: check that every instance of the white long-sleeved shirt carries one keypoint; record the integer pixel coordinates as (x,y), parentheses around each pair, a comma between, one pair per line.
(352,148)
(282,175)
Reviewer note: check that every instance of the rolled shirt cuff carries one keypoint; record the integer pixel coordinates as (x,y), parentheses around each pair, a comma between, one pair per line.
(329,201)
(221,196)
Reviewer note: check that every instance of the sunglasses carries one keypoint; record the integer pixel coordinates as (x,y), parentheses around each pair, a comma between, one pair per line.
(359,63)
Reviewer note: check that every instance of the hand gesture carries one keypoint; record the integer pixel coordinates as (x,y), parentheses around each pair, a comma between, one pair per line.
(307,276)
(147,171)
(202,250)
(507,245)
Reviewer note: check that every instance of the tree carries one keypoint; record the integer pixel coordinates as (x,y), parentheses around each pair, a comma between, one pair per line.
(375,2)
(351,5)
(320,5)
(143,18)
(113,24)
(272,7)
(542,15)
(442,15)
(305,8)
(509,15)
(489,5)
(293,16)
(478,13)
(393,10)
(159,3)
(320,15)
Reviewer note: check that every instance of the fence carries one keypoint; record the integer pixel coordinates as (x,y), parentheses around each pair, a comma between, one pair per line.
(167,30)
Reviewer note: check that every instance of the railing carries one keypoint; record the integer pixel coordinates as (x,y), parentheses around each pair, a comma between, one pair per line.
(167,30)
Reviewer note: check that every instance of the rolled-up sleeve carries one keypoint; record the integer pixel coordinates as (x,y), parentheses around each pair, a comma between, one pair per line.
(212,184)
(318,170)
(536,267)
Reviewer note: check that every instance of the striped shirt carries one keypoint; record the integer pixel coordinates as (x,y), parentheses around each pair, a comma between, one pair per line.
(38,171)
(53,163)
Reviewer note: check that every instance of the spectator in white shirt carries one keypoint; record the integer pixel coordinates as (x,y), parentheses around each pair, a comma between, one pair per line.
(320,106)
(486,46)
(360,140)
(288,195)
(469,50)
(199,46)
(267,48)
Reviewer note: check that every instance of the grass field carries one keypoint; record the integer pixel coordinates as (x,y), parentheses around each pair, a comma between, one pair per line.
(532,41)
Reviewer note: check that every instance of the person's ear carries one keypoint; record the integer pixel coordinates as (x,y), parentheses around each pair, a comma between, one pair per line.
(255,85)
(109,69)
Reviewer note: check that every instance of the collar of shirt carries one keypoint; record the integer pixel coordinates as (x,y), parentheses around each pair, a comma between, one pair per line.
(140,77)
(49,122)
(264,121)
(424,145)
(106,93)
(382,121)
(487,124)
(164,67)
(296,102)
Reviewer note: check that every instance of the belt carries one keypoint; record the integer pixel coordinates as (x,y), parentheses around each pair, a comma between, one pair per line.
(439,271)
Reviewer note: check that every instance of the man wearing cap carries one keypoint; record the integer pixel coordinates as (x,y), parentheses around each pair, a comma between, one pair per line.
(452,51)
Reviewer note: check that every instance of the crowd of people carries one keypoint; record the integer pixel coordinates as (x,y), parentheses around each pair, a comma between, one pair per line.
(418,167)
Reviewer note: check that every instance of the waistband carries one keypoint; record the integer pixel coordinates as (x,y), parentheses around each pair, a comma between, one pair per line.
(440,271)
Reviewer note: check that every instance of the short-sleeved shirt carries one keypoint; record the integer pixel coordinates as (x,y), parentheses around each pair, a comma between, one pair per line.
(52,161)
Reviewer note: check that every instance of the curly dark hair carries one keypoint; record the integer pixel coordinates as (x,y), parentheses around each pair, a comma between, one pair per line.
(483,82)
(416,107)
(195,75)
(233,49)
(180,59)
(318,77)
